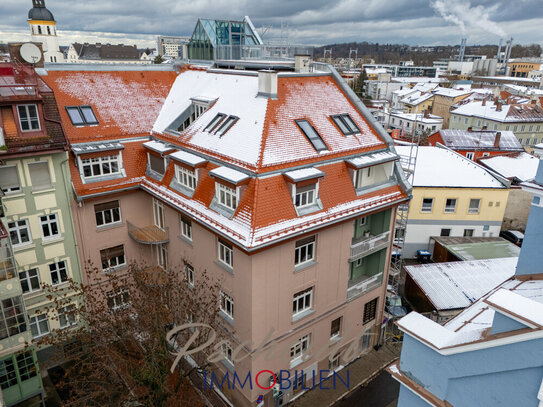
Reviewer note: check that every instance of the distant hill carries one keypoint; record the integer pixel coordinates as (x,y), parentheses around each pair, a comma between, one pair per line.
(420,55)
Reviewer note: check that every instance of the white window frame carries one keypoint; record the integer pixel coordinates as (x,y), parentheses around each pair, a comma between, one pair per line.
(111,214)
(307,197)
(226,304)
(186,177)
(297,351)
(117,262)
(17,228)
(334,362)
(36,321)
(99,163)
(338,333)
(118,298)
(29,119)
(186,228)
(469,156)
(455,205)
(67,313)
(425,210)
(225,254)
(226,196)
(162,256)
(48,223)
(158,213)
(299,301)
(474,211)
(12,189)
(306,250)
(29,279)
(57,270)
(189,274)
(226,349)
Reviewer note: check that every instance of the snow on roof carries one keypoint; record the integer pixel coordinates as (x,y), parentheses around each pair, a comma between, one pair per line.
(451,93)
(441,167)
(459,284)
(425,86)
(521,166)
(158,146)
(464,139)
(304,174)
(512,303)
(372,159)
(508,113)
(416,98)
(229,174)
(188,158)
(419,117)
(404,92)
(417,79)
(84,148)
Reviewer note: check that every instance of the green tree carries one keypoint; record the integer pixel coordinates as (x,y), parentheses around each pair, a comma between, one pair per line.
(359,85)
(158,59)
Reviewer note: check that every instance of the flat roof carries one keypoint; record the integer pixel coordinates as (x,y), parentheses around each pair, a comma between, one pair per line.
(483,250)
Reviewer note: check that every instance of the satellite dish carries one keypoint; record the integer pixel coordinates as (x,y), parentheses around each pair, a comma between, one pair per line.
(30,53)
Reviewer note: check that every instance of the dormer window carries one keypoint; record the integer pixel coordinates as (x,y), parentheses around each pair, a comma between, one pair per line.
(227,196)
(305,196)
(228,188)
(28,117)
(372,170)
(305,189)
(187,178)
(156,164)
(314,138)
(186,171)
(81,115)
(193,112)
(100,166)
(346,124)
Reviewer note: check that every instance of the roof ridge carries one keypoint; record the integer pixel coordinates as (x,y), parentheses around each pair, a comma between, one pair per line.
(265,132)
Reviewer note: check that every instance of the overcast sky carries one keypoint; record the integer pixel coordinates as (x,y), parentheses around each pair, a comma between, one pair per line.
(315,22)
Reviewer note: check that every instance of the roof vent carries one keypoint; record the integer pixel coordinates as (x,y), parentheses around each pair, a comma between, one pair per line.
(301,63)
(267,83)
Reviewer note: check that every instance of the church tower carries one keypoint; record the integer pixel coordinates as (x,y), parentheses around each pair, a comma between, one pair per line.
(43,28)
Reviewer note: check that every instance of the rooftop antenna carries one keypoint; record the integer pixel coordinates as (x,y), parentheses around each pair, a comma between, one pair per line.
(462,49)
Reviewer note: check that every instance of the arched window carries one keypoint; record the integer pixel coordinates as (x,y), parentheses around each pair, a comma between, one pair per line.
(39,29)
(48,30)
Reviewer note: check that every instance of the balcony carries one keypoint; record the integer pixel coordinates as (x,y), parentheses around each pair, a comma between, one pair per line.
(148,234)
(366,245)
(365,285)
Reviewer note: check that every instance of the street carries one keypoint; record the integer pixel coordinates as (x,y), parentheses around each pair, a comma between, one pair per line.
(380,392)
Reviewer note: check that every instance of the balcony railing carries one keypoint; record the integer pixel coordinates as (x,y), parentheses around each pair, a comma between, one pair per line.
(148,234)
(365,285)
(364,246)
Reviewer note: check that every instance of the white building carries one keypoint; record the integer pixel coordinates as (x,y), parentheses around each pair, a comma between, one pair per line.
(172,47)
(426,124)
(43,29)
(106,54)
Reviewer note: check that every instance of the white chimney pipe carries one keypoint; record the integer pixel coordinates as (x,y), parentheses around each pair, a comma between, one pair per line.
(301,63)
(267,83)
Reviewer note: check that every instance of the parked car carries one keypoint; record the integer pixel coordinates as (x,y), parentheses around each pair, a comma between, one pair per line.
(394,306)
(513,236)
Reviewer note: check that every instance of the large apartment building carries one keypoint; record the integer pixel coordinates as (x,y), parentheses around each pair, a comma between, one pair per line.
(278,183)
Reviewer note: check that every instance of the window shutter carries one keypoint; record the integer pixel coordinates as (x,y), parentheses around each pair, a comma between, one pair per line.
(39,175)
(105,206)
(9,177)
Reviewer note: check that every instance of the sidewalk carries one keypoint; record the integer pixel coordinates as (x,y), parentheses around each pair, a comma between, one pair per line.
(361,371)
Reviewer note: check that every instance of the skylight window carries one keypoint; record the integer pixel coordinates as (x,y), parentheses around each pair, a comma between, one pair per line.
(215,122)
(225,126)
(81,115)
(346,124)
(312,135)
(220,124)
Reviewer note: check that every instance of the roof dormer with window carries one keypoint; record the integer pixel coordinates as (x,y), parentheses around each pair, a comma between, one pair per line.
(372,171)
(156,158)
(229,185)
(188,169)
(304,187)
(197,107)
(99,161)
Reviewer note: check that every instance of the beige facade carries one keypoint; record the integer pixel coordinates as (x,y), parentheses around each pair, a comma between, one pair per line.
(442,106)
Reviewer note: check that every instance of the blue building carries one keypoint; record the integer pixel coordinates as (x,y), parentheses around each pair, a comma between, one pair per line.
(491,354)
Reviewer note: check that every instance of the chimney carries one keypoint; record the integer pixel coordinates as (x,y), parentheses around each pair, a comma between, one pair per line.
(484,128)
(484,102)
(267,83)
(426,114)
(499,107)
(497,139)
(301,63)
(470,129)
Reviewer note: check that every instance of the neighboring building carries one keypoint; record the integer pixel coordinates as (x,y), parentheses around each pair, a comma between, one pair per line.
(294,221)
(477,144)
(43,29)
(525,120)
(491,354)
(410,123)
(383,87)
(444,99)
(221,39)
(172,47)
(441,290)
(405,70)
(517,168)
(521,68)
(37,216)
(374,73)
(450,249)
(417,102)
(106,54)
(452,196)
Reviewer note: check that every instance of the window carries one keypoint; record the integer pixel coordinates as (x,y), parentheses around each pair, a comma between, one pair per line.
(450,205)
(39,175)
(302,301)
(312,135)
(445,232)
(100,166)
(215,122)
(48,30)
(158,213)
(362,221)
(333,362)
(39,325)
(19,232)
(58,271)
(304,251)
(186,228)
(8,377)
(227,196)
(189,274)
(66,316)
(107,213)
(227,304)
(26,366)
(9,179)
(28,117)
(486,154)
(469,156)
(497,204)
(226,125)
(427,205)
(468,232)
(156,164)
(345,124)
(81,115)
(12,321)
(227,351)
(112,257)
(226,254)
(305,196)
(370,310)
(186,177)
(162,256)
(335,328)
(30,280)
(474,205)
(49,226)
(118,299)
(299,348)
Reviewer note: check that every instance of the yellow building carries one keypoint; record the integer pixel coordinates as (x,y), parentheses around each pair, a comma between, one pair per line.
(452,196)
(444,99)
(521,69)
(418,102)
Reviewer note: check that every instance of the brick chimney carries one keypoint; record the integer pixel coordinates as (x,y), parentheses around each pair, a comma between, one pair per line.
(499,107)
(497,139)
(470,129)
(484,102)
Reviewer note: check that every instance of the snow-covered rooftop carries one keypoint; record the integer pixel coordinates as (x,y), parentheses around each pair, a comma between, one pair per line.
(451,93)
(304,174)
(158,146)
(464,140)
(459,284)
(507,113)
(441,167)
(517,304)
(84,148)
(416,98)
(522,166)
(372,159)
(188,158)
(419,117)
(229,174)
